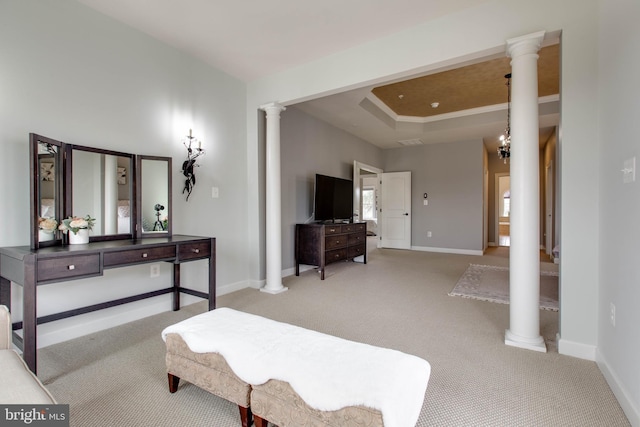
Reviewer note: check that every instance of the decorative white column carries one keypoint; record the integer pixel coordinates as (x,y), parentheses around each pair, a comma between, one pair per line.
(524,255)
(273,196)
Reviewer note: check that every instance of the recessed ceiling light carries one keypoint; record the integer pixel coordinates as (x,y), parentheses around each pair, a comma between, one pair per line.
(401,96)
(415,141)
(435,104)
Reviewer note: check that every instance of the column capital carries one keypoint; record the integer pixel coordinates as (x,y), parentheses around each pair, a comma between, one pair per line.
(526,44)
(272,107)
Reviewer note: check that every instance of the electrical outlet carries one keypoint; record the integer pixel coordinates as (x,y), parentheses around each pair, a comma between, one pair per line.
(215,192)
(155,270)
(428,234)
(612,314)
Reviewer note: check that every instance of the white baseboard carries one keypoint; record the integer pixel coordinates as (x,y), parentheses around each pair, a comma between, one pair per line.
(576,349)
(447,250)
(630,408)
(232,287)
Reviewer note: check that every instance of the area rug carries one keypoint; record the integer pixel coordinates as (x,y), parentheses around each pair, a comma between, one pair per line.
(491,283)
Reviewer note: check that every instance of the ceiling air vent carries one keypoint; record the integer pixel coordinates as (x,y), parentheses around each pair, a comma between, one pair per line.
(415,141)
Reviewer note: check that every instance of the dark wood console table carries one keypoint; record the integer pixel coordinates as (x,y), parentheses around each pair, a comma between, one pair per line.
(322,244)
(31,268)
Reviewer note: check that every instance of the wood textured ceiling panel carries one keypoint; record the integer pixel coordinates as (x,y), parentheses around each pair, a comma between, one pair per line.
(473,86)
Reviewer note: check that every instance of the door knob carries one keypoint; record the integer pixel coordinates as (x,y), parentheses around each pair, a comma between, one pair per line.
(406,214)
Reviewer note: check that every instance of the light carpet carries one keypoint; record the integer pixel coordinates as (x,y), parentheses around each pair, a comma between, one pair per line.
(398,300)
(491,283)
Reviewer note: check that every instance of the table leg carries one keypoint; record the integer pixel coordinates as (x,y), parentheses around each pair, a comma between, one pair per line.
(5,292)
(212,276)
(176,287)
(29,313)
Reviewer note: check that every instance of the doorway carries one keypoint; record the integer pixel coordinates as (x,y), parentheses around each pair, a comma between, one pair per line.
(503,209)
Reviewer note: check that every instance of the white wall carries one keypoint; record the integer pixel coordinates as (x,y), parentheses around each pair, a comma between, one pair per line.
(451,39)
(619,68)
(72,74)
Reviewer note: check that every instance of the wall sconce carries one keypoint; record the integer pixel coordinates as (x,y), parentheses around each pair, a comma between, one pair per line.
(188,165)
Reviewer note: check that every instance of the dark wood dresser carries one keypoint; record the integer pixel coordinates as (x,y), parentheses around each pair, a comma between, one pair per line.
(322,244)
(31,268)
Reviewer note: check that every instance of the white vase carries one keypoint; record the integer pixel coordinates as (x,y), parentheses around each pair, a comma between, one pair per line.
(79,238)
(44,236)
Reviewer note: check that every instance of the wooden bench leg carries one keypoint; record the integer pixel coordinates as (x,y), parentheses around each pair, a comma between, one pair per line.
(173,383)
(259,422)
(245,416)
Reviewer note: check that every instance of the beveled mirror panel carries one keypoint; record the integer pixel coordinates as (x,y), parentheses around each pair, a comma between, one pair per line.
(46,168)
(154,195)
(101,188)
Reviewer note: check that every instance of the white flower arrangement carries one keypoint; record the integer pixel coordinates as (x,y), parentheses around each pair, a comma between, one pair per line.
(48,225)
(76,223)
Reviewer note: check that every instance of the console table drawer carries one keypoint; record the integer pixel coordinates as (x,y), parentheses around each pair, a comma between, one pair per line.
(195,250)
(68,267)
(139,255)
(332,242)
(336,255)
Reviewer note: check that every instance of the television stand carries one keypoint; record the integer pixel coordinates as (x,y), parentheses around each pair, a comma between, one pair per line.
(322,244)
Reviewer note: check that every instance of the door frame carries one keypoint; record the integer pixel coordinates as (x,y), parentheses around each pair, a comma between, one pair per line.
(496,211)
(358,167)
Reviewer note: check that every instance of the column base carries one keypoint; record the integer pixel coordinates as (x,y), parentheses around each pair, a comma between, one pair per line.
(274,291)
(513,340)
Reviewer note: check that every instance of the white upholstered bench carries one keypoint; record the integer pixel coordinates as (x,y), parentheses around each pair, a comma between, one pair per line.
(296,376)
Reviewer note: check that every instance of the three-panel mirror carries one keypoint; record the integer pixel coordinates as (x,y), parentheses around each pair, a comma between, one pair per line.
(125,197)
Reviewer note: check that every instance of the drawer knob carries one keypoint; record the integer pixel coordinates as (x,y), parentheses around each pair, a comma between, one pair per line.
(144,255)
(332,230)
(71,267)
(195,251)
(337,242)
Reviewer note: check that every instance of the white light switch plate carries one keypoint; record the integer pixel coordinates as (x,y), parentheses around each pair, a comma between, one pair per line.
(215,193)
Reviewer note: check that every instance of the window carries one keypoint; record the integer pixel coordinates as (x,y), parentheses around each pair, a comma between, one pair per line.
(368,203)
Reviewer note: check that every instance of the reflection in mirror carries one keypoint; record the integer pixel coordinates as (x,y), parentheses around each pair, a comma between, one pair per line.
(155,198)
(46,172)
(101,189)
(47,224)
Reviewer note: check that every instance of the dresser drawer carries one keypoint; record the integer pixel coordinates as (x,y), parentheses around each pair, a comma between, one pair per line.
(194,250)
(357,238)
(332,229)
(332,242)
(68,267)
(357,250)
(335,255)
(139,255)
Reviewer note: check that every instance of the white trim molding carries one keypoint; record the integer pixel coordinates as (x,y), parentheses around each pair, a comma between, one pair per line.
(630,408)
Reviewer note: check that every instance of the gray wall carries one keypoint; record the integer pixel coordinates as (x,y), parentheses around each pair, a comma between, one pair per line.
(310,146)
(618,232)
(73,74)
(451,175)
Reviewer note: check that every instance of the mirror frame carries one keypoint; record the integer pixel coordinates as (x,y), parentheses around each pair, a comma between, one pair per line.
(68,191)
(63,189)
(140,233)
(59,178)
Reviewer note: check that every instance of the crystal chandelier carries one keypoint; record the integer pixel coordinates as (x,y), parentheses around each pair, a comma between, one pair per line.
(504,150)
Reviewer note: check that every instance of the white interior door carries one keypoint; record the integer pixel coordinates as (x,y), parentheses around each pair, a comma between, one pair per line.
(395,210)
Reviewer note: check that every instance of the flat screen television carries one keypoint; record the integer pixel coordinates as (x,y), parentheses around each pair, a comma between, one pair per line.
(333,199)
